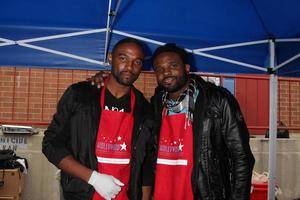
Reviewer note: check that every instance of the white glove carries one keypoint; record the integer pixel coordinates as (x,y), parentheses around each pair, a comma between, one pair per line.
(106,185)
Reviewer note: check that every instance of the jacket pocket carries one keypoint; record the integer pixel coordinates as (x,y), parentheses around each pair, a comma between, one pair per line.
(213,113)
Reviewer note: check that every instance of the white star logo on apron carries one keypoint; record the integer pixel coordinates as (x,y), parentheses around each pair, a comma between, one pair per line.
(123,146)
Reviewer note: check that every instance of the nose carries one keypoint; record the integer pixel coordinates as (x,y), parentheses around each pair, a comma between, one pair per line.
(167,71)
(129,65)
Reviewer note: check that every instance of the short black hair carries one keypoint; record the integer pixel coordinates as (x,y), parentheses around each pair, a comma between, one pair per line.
(171,47)
(128,40)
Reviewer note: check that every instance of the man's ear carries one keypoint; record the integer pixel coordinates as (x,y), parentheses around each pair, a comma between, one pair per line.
(109,58)
(187,68)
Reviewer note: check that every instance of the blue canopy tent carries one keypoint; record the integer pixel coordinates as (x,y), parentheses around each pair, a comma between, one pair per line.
(253,36)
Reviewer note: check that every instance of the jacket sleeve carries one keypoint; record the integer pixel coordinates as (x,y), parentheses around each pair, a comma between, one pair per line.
(236,137)
(149,162)
(56,136)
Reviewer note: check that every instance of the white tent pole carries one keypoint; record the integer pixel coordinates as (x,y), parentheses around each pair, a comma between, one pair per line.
(288,40)
(7,44)
(107,32)
(232,45)
(65,35)
(272,124)
(5,40)
(231,61)
(288,61)
(138,37)
(62,54)
(115,13)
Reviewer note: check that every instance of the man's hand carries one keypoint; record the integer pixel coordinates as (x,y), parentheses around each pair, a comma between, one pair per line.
(106,185)
(98,78)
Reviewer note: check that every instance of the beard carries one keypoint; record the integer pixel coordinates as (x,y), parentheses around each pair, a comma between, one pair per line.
(180,82)
(123,78)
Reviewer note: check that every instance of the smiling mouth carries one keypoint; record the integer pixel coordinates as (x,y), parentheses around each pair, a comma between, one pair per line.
(168,80)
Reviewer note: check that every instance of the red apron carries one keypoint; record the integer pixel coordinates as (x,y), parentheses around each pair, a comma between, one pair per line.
(113,145)
(175,159)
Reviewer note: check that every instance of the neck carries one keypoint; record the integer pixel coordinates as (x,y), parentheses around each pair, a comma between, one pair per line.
(116,89)
(176,94)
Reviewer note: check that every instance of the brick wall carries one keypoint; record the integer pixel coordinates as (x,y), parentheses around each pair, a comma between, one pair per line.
(36,91)
(289,102)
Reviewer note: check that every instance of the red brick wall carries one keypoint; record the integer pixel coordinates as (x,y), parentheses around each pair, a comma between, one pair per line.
(36,91)
(289,102)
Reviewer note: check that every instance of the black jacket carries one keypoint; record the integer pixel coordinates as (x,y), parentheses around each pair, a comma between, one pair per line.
(73,131)
(223,161)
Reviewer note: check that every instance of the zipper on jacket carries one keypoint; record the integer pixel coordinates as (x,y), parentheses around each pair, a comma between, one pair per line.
(205,141)
(137,135)
(208,174)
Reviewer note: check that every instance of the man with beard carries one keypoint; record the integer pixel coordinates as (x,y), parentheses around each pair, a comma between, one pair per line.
(101,139)
(203,141)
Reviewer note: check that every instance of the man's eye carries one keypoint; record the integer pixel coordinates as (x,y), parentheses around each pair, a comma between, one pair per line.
(173,65)
(138,62)
(158,69)
(122,58)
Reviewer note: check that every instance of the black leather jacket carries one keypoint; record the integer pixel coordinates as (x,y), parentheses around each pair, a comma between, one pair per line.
(73,131)
(223,161)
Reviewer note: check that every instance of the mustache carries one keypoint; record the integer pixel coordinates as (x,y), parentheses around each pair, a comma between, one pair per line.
(129,72)
(173,77)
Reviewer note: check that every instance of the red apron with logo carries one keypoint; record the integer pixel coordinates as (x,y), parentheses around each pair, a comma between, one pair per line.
(113,145)
(175,159)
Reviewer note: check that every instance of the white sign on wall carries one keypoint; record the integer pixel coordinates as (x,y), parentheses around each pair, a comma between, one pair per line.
(13,142)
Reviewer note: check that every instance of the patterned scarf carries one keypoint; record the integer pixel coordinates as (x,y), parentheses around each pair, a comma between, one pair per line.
(185,101)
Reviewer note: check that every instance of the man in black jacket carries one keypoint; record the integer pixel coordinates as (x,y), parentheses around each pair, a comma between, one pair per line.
(203,142)
(101,139)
